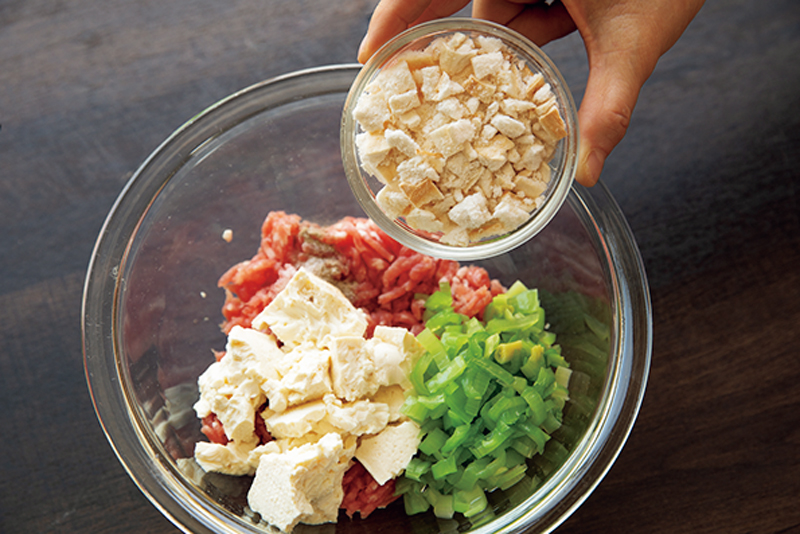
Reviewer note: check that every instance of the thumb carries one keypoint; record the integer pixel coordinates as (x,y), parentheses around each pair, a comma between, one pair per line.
(605,113)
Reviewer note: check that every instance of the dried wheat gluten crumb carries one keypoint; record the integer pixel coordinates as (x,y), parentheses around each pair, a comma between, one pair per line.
(460,134)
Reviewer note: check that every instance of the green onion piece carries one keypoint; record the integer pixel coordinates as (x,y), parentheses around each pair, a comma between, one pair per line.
(519,384)
(496,438)
(516,409)
(472,327)
(538,410)
(403,485)
(440,300)
(534,362)
(552,422)
(511,477)
(457,401)
(554,358)
(497,307)
(417,376)
(536,434)
(525,446)
(414,409)
(439,321)
(454,341)
(443,508)
(434,346)
(472,407)
(415,469)
(469,502)
(442,504)
(459,435)
(505,406)
(446,375)
(513,458)
(415,503)
(545,382)
(514,324)
(526,302)
(516,288)
(506,351)
(433,442)
(492,342)
(502,376)
(563,375)
(547,339)
(444,467)
(475,382)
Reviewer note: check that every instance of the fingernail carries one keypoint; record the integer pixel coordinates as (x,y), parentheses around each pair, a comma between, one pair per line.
(361,47)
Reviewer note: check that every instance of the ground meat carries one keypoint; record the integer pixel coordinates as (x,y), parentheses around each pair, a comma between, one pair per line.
(375,272)
(363,494)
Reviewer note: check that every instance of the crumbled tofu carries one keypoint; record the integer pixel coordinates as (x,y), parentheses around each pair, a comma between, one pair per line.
(231,387)
(462,116)
(320,387)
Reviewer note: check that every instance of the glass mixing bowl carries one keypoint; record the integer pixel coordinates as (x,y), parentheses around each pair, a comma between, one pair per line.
(151,307)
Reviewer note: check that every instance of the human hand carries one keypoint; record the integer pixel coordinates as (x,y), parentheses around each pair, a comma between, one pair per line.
(624,40)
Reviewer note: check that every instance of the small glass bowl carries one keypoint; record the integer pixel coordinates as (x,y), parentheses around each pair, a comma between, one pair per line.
(562,164)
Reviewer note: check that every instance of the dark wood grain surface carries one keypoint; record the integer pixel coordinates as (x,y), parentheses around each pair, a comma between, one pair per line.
(708,177)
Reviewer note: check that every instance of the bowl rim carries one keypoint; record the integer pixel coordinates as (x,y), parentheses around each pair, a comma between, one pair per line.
(558,187)
(158,477)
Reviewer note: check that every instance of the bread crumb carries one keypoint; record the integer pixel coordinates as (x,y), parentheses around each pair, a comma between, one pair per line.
(460,133)
(227,235)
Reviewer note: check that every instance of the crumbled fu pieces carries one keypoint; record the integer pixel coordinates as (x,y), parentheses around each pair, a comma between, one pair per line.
(461,135)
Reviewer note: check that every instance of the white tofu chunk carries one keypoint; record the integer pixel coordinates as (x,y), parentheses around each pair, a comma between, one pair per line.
(305,376)
(231,459)
(386,454)
(311,310)
(296,422)
(351,368)
(232,387)
(302,484)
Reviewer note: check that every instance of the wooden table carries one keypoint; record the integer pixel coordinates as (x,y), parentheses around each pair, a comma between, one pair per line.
(708,177)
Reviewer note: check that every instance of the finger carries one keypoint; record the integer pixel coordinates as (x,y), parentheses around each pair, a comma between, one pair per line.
(605,113)
(394,16)
(539,22)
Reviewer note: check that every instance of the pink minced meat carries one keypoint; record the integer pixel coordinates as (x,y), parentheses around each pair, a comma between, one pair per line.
(376,273)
